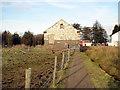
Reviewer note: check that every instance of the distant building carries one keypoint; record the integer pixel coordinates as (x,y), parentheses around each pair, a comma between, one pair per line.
(60,35)
(115,39)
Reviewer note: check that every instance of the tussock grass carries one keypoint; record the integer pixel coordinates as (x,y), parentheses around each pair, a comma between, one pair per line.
(107,58)
(98,76)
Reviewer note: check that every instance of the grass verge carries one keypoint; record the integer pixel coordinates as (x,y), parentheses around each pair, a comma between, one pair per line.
(62,81)
(98,76)
(107,58)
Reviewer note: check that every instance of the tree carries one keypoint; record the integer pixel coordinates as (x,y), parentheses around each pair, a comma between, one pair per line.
(16,39)
(77,26)
(116,29)
(0,38)
(119,28)
(6,39)
(27,38)
(39,39)
(99,35)
(87,33)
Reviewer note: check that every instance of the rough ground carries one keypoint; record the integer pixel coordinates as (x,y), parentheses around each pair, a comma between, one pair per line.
(78,76)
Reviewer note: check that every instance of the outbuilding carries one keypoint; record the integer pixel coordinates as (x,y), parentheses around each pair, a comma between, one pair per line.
(60,35)
(115,39)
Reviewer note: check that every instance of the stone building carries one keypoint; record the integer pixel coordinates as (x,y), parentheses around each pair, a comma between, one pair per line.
(60,35)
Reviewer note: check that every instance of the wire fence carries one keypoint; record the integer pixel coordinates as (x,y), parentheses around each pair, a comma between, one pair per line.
(49,75)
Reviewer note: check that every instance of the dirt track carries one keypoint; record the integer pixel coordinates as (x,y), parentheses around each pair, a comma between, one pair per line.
(78,76)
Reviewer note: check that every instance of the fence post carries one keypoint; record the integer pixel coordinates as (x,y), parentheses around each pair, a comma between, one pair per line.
(54,73)
(68,54)
(63,58)
(28,49)
(70,51)
(28,78)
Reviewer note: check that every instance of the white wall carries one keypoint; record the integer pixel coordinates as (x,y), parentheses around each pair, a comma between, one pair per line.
(115,39)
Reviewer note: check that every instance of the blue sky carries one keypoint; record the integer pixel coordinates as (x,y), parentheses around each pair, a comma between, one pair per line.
(37,15)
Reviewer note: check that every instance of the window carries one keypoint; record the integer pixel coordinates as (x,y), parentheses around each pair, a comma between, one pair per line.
(45,32)
(61,26)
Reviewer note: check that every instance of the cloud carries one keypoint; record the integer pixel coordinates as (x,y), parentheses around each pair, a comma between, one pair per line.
(59,4)
(15,5)
(21,4)
(6,2)
(26,4)
(60,0)
(103,15)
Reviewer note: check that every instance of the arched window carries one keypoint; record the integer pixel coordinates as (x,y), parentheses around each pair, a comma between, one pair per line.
(61,26)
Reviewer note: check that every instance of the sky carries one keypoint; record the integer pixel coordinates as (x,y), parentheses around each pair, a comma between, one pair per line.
(38,15)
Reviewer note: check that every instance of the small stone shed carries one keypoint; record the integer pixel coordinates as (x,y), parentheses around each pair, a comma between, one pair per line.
(61,34)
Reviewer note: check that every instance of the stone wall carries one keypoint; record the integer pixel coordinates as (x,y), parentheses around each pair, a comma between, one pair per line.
(67,32)
(60,44)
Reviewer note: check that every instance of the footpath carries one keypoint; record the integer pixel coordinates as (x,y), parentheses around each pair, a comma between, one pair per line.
(78,76)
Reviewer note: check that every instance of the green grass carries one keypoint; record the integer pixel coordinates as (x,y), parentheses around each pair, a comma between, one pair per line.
(98,76)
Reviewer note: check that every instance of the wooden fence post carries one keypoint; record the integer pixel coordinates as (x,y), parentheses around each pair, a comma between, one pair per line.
(28,78)
(28,49)
(70,51)
(63,58)
(54,73)
(68,54)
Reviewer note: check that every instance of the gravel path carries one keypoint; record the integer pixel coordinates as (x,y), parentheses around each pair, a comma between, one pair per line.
(78,76)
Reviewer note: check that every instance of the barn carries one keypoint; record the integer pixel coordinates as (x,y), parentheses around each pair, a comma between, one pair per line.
(115,39)
(60,35)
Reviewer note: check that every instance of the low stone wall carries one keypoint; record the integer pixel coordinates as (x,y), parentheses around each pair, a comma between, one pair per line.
(60,44)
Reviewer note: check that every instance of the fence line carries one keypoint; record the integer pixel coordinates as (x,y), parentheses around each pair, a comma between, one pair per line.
(52,78)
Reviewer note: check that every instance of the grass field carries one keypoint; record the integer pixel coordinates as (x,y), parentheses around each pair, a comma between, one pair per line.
(107,58)
(16,59)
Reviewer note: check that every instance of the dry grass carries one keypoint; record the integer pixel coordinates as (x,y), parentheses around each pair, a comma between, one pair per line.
(16,59)
(107,58)
(98,76)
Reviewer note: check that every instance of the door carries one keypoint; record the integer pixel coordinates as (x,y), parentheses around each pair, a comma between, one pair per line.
(51,39)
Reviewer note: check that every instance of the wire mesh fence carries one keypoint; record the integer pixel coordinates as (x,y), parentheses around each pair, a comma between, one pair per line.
(44,79)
